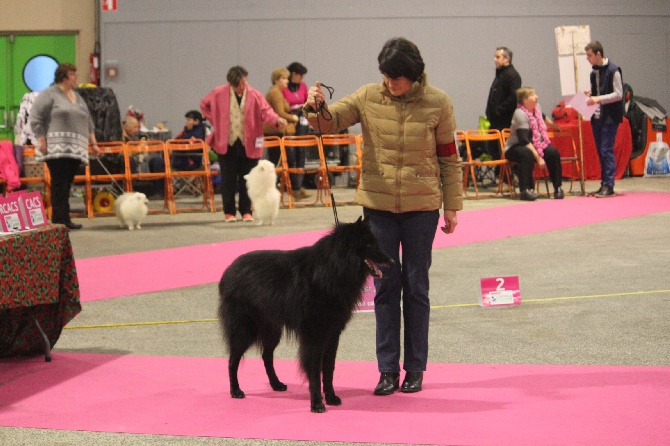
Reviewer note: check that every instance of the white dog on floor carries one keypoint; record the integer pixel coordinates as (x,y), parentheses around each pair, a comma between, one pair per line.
(131,208)
(262,188)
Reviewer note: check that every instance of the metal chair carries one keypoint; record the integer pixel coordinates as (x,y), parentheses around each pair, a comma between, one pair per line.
(504,176)
(274,144)
(144,150)
(342,139)
(319,170)
(196,180)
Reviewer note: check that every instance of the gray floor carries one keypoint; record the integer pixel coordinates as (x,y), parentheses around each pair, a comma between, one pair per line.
(614,274)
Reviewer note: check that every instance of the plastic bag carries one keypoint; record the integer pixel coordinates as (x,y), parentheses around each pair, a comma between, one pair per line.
(657,162)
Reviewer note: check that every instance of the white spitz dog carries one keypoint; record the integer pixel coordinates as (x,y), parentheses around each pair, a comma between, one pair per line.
(262,188)
(131,208)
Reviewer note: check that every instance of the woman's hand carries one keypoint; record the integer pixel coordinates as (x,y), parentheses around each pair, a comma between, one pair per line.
(281,123)
(315,96)
(450,222)
(540,161)
(42,145)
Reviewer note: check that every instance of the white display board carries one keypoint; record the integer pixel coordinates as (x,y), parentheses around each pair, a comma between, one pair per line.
(573,67)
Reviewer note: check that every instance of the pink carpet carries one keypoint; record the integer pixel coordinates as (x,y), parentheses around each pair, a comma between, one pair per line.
(201,264)
(460,404)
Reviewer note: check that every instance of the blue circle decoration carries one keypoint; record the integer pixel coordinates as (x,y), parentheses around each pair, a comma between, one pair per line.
(39,72)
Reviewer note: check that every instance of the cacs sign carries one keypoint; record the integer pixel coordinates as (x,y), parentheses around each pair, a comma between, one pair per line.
(11,218)
(32,209)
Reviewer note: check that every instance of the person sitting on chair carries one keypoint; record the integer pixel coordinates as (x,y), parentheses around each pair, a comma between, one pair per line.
(194,129)
(528,144)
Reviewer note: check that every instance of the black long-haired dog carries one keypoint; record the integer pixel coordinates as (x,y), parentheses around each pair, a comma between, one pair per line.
(310,292)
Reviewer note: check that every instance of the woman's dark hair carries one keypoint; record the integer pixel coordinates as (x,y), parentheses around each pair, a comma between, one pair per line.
(401,58)
(194,114)
(62,72)
(235,75)
(297,68)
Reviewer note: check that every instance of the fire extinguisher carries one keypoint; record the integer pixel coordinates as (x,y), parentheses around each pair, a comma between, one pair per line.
(94,59)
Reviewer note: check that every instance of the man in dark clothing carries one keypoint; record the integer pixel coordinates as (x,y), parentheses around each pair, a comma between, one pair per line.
(606,90)
(502,95)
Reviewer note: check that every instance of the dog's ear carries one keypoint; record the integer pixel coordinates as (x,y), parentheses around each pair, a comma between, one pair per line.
(360,219)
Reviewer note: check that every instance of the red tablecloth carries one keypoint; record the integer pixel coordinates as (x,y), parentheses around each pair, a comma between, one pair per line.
(623,146)
(38,279)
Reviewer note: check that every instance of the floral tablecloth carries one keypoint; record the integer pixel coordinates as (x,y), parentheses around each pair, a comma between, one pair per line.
(37,278)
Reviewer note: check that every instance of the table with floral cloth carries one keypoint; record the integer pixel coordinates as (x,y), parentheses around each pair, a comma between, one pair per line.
(39,290)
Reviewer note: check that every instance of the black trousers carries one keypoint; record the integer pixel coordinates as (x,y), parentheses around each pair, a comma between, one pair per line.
(234,166)
(523,156)
(62,172)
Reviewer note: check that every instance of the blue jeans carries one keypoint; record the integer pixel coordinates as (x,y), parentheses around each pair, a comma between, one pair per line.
(604,136)
(414,232)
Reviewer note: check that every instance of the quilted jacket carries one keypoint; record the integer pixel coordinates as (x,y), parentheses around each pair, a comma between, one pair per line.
(402,171)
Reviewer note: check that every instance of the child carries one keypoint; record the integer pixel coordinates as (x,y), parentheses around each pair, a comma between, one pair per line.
(194,129)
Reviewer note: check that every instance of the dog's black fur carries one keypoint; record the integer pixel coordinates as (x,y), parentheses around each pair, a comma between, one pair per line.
(310,292)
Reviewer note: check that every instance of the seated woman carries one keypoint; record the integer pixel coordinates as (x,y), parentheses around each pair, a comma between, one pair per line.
(194,129)
(528,144)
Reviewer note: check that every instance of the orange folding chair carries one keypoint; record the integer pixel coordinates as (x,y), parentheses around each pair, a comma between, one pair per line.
(342,139)
(143,150)
(105,176)
(274,144)
(504,176)
(318,170)
(196,182)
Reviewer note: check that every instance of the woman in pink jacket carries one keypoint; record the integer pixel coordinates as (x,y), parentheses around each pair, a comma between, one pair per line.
(237,111)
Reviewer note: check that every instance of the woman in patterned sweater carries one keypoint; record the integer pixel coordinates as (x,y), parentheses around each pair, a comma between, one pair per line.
(62,125)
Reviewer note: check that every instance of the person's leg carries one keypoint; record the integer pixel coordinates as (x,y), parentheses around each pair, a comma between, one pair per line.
(228,163)
(552,157)
(388,289)
(596,127)
(417,235)
(526,163)
(157,164)
(606,154)
(245,165)
(62,175)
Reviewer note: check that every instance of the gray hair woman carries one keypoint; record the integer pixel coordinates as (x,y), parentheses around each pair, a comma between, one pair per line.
(529,143)
(63,128)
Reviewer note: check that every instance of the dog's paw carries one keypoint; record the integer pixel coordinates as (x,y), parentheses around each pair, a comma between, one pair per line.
(318,407)
(138,226)
(278,386)
(332,399)
(237,393)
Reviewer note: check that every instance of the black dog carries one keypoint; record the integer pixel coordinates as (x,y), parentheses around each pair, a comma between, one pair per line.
(310,292)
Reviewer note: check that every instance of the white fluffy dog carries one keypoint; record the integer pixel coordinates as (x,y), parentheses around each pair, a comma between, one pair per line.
(262,188)
(131,208)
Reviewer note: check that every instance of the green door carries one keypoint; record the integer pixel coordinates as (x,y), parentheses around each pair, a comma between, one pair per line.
(5,127)
(31,62)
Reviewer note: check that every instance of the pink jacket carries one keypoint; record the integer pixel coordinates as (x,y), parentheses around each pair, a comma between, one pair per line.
(9,169)
(216,108)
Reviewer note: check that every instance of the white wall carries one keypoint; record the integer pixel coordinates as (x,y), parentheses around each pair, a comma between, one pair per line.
(171,53)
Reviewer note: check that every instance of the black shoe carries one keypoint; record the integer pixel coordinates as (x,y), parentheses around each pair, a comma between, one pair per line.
(528,195)
(599,191)
(71,225)
(412,382)
(388,383)
(605,192)
(558,194)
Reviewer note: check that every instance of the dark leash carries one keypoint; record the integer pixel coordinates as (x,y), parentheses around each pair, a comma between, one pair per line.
(327,117)
(114,182)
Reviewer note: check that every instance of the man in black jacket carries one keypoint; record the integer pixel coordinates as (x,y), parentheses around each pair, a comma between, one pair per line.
(607,91)
(502,95)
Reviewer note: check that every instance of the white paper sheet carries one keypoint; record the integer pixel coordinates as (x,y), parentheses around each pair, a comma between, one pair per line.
(578,102)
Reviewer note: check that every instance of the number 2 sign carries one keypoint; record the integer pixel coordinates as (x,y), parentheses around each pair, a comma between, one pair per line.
(500,291)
